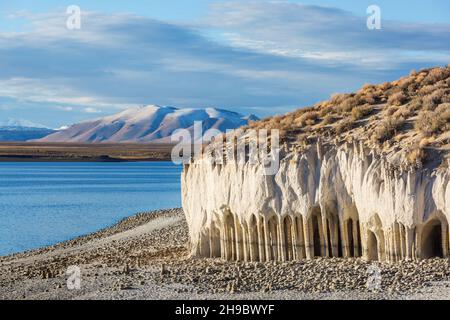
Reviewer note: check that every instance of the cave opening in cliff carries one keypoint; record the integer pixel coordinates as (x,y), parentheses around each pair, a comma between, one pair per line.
(372,246)
(316,227)
(432,240)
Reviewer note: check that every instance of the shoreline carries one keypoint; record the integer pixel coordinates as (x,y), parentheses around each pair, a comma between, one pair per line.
(84,152)
(146,256)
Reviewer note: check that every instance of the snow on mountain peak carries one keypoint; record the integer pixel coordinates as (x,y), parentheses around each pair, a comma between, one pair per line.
(11,122)
(150,123)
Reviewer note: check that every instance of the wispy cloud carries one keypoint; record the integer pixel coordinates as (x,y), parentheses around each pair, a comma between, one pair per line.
(245,55)
(328,35)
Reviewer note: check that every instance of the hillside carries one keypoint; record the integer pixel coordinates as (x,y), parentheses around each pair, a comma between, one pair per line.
(407,119)
(147,124)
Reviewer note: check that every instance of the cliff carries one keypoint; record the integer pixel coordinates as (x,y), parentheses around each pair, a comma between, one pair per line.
(341,190)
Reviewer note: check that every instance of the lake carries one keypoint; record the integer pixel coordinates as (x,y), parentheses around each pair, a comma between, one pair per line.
(43,203)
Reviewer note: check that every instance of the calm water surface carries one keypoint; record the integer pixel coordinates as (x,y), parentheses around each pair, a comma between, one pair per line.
(45,203)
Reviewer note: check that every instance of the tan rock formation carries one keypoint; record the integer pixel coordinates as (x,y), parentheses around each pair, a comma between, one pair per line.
(350,195)
(344,202)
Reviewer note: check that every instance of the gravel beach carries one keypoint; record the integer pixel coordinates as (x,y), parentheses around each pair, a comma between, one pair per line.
(146,256)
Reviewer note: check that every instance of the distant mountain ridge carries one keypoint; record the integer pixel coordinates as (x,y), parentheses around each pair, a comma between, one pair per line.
(22,130)
(20,123)
(148,124)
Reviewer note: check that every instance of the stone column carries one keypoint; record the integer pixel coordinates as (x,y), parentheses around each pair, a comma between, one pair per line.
(409,243)
(261,240)
(267,240)
(344,239)
(309,250)
(325,250)
(300,239)
(245,243)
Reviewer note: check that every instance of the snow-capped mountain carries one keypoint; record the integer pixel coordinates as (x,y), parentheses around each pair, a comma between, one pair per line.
(148,124)
(20,123)
(22,130)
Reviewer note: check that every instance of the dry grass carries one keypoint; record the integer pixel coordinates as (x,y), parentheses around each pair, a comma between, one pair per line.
(397,99)
(387,129)
(360,112)
(415,156)
(429,123)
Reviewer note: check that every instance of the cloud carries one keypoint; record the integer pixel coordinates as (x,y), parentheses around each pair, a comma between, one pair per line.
(264,55)
(328,35)
(91,110)
(64,108)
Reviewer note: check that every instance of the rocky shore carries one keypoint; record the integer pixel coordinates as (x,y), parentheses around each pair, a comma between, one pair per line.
(146,257)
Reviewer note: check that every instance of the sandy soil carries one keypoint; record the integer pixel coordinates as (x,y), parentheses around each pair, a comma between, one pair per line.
(146,257)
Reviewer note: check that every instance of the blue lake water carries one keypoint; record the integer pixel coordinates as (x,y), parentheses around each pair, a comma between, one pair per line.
(46,203)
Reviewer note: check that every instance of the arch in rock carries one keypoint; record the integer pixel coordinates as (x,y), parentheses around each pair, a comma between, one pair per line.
(372,246)
(431,241)
(317,232)
(352,232)
(288,234)
(375,243)
(332,231)
(433,236)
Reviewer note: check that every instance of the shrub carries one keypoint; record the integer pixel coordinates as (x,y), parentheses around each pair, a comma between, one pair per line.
(397,99)
(387,129)
(416,104)
(348,104)
(443,110)
(361,112)
(344,125)
(436,75)
(429,123)
(416,156)
(328,119)
(403,112)
(307,118)
(433,99)
(336,99)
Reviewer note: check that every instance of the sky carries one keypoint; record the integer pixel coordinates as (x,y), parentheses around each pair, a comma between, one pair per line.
(260,57)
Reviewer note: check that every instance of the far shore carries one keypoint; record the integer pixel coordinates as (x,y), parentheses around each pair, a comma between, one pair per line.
(83,152)
(147,256)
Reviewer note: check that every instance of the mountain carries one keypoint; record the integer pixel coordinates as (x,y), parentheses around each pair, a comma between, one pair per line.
(22,130)
(148,124)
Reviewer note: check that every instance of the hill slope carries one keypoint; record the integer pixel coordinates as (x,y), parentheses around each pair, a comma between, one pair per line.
(407,119)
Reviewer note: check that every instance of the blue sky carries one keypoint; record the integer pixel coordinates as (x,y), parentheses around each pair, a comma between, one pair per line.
(262,57)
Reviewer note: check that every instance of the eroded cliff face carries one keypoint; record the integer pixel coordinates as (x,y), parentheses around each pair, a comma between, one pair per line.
(325,201)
